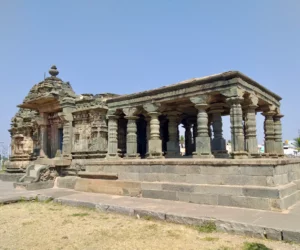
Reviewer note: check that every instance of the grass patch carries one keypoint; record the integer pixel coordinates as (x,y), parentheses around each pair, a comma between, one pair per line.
(147,217)
(255,246)
(207,227)
(80,214)
(27,223)
(225,248)
(210,239)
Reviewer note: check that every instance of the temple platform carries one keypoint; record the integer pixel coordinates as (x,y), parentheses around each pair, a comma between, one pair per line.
(267,184)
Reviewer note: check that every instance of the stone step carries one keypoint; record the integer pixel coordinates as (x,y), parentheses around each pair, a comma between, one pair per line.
(34,186)
(115,187)
(255,197)
(98,175)
(250,191)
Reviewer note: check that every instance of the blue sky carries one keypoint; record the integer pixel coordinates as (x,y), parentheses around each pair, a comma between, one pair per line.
(129,46)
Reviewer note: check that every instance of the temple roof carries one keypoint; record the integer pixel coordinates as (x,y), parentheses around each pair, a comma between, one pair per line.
(225,76)
(52,89)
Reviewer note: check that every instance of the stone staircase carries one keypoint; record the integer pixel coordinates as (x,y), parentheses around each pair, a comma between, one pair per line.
(264,185)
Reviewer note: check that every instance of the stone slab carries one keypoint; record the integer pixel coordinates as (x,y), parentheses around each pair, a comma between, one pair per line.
(256,223)
(10,177)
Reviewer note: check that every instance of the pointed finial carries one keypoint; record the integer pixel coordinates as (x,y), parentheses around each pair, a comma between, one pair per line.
(53,71)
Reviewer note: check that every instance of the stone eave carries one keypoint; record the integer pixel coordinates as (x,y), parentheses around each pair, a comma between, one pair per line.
(37,102)
(103,108)
(195,81)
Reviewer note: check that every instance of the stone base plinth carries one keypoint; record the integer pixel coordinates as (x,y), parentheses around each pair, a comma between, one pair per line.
(268,184)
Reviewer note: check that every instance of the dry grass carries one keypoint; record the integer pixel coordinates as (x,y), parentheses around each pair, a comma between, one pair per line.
(34,225)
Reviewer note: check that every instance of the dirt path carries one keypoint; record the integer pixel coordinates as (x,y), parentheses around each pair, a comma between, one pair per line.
(37,225)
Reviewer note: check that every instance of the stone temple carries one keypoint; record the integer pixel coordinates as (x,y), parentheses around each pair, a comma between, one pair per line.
(129,144)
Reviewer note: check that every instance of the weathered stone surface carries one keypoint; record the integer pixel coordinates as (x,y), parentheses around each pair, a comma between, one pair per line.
(156,194)
(291,236)
(149,214)
(66,182)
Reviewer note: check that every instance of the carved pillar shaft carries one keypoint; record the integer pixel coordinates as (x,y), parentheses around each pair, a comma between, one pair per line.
(203,141)
(218,142)
(131,138)
(188,139)
(155,143)
(43,139)
(194,136)
(278,135)
(250,130)
(173,145)
(112,137)
(237,133)
(147,133)
(269,133)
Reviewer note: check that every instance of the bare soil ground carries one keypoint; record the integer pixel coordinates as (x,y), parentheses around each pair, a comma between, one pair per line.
(36,225)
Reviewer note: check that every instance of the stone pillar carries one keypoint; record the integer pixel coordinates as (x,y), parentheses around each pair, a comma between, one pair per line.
(42,122)
(218,142)
(173,149)
(194,135)
(131,138)
(203,143)
(250,130)
(269,134)
(278,135)
(237,134)
(188,139)
(112,136)
(122,133)
(155,143)
(43,140)
(148,132)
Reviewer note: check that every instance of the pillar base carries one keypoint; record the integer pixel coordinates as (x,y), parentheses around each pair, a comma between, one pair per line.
(269,155)
(112,157)
(255,155)
(220,154)
(202,155)
(173,149)
(42,154)
(240,155)
(132,156)
(203,147)
(155,149)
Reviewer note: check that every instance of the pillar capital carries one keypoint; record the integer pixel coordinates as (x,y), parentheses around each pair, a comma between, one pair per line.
(277,117)
(151,107)
(269,113)
(201,99)
(235,100)
(130,111)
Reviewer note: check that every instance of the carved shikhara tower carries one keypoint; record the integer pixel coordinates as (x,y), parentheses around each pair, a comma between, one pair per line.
(54,121)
